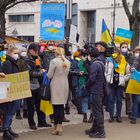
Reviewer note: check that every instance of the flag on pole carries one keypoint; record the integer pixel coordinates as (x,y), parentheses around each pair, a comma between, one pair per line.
(105,35)
(134,83)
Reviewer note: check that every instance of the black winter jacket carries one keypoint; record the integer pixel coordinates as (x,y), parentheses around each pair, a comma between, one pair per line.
(96,80)
(34,72)
(10,66)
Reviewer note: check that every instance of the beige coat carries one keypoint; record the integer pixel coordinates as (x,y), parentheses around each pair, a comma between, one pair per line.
(59,81)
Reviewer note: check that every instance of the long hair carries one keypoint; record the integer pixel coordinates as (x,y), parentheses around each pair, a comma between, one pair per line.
(60,52)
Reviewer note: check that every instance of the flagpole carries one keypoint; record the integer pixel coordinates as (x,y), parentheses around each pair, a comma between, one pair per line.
(114,20)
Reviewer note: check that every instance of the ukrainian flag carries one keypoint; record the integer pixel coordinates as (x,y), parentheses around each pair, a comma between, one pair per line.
(134,83)
(123,35)
(105,36)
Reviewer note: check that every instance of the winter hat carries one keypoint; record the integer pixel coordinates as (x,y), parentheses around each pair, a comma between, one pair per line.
(76,54)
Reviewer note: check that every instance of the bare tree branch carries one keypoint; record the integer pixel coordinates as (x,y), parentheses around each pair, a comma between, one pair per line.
(18,2)
(126,8)
(135,8)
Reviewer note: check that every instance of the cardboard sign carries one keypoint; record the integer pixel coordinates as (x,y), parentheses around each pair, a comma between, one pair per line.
(19,86)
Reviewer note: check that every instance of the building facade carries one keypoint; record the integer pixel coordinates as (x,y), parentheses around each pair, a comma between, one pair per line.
(23,20)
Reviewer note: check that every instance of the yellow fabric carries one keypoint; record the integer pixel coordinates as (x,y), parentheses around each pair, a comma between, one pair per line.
(105,37)
(133,87)
(119,40)
(121,66)
(46,107)
(3,58)
(78,59)
(114,55)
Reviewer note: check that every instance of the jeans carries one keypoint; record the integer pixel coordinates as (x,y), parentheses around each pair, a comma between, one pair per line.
(115,93)
(33,104)
(85,104)
(135,106)
(11,109)
(98,124)
(75,97)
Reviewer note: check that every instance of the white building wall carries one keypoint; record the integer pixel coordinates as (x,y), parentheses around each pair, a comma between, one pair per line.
(25,29)
(103,9)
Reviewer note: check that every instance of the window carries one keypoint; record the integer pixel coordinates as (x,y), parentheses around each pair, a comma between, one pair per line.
(27,38)
(21,18)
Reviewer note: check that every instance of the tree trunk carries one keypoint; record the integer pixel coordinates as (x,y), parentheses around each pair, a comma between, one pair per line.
(135,28)
(2,22)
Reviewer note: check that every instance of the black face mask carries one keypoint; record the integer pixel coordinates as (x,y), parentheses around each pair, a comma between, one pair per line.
(94,53)
(34,57)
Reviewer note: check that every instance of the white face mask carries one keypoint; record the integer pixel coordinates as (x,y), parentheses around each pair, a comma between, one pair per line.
(23,54)
(51,48)
(124,50)
(137,54)
(15,56)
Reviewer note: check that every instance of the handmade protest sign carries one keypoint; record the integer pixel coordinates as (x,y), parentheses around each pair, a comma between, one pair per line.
(52,21)
(18,88)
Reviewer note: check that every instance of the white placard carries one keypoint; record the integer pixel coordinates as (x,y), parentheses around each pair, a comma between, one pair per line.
(73,34)
(4,89)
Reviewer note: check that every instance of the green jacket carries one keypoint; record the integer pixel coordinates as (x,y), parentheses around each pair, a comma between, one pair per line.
(82,68)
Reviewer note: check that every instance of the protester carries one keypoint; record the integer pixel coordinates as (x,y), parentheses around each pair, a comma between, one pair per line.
(135,98)
(96,84)
(22,67)
(117,74)
(33,103)
(9,67)
(58,73)
(2,59)
(84,68)
(74,82)
(129,58)
(46,56)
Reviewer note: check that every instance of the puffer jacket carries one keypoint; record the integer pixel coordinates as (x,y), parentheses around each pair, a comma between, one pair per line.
(109,72)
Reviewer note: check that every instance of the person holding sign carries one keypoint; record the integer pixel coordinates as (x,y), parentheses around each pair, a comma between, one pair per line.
(9,67)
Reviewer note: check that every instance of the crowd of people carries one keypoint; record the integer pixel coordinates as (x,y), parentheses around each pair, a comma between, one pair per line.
(89,78)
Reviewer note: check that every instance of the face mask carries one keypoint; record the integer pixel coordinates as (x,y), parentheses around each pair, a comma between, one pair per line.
(15,56)
(124,50)
(23,54)
(137,55)
(34,57)
(51,48)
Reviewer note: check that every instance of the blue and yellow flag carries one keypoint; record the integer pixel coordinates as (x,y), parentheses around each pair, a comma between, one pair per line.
(123,35)
(134,83)
(105,36)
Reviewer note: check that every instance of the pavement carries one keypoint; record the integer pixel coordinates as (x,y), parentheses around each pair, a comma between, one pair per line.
(75,129)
